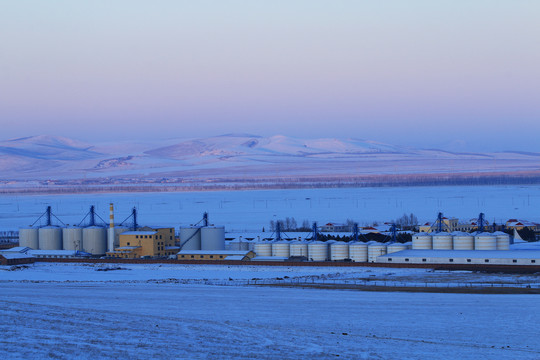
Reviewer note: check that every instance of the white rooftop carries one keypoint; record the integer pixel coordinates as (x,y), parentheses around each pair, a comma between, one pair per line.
(213,252)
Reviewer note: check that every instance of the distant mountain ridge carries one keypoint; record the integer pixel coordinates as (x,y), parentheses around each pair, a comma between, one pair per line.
(238,155)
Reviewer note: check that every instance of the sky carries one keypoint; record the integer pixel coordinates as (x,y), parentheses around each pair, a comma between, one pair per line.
(458,75)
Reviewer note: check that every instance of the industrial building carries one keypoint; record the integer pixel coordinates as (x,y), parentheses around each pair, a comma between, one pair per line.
(158,242)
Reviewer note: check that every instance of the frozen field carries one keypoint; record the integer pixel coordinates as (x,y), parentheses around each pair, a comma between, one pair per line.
(253,210)
(74,311)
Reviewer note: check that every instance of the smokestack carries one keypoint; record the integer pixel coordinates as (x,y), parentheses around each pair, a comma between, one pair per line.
(111,215)
(110,233)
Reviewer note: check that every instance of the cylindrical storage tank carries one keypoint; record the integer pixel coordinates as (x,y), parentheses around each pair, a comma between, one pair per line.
(190,238)
(503,240)
(358,251)
(263,248)
(485,241)
(318,251)
(376,250)
(281,249)
(462,241)
(94,240)
(213,238)
(339,251)
(50,238)
(392,248)
(72,238)
(117,231)
(442,241)
(422,241)
(29,237)
(299,248)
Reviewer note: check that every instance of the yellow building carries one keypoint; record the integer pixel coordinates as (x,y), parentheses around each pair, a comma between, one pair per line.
(158,242)
(215,255)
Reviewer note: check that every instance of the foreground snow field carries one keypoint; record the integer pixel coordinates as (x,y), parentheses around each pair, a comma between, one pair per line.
(70,311)
(136,321)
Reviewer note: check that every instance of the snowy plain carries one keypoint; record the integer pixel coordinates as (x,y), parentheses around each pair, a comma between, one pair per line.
(252,210)
(73,311)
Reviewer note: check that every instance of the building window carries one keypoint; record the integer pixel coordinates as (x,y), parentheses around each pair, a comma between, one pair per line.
(468,260)
(221,256)
(202,256)
(136,236)
(183,256)
(424,260)
(192,256)
(486,260)
(514,261)
(533,261)
(127,244)
(160,236)
(451,260)
(211,256)
(406,259)
(389,259)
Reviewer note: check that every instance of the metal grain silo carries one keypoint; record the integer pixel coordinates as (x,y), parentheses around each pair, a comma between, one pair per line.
(392,248)
(339,250)
(190,238)
(358,251)
(263,248)
(318,251)
(485,241)
(50,238)
(442,241)
(503,240)
(422,241)
(376,250)
(72,238)
(213,238)
(281,248)
(29,237)
(462,241)
(94,240)
(299,248)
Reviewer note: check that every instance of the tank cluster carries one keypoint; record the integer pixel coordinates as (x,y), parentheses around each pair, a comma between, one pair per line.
(90,238)
(326,250)
(203,236)
(461,241)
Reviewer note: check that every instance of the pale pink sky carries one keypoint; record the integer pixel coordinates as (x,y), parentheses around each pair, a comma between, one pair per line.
(424,73)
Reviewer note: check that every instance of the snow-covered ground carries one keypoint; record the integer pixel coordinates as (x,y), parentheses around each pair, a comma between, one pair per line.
(70,311)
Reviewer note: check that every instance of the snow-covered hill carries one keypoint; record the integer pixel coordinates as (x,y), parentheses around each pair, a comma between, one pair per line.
(239,155)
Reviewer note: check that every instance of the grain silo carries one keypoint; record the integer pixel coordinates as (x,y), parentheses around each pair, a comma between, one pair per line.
(190,238)
(299,248)
(339,250)
(462,241)
(213,238)
(422,241)
(375,250)
(281,248)
(442,241)
(358,251)
(50,238)
(485,241)
(94,240)
(263,248)
(317,251)
(503,240)
(29,237)
(72,238)
(395,247)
